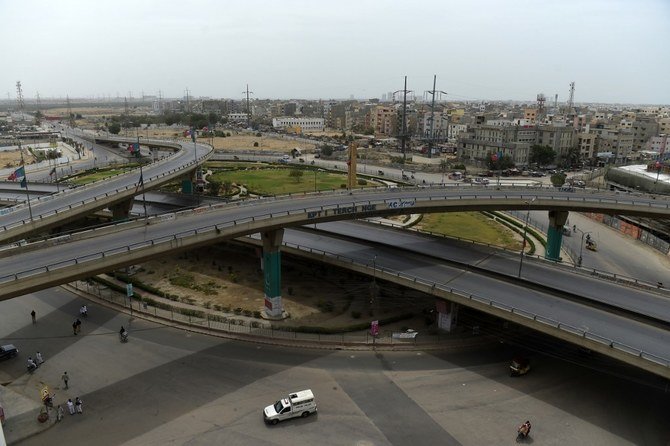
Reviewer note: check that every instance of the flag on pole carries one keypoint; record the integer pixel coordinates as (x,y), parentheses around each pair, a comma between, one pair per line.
(53,171)
(24,183)
(12,176)
(20,172)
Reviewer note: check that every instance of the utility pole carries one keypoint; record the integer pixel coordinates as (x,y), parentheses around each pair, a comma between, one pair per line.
(431,139)
(19,99)
(403,130)
(70,115)
(248,108)
(571,98)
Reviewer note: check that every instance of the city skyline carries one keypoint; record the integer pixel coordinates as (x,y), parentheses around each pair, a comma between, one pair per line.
(613,50)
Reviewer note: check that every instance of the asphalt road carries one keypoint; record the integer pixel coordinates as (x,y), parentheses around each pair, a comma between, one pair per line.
(169,387)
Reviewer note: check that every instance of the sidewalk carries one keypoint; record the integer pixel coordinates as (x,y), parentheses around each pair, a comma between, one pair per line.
(21,415)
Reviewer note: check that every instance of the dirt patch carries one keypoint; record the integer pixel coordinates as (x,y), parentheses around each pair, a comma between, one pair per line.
(12,158)
(228,276)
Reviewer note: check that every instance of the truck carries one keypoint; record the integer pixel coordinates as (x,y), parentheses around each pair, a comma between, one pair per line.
(297,404)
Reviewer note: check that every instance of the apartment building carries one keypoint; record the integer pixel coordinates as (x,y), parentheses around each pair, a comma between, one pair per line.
(477,145)
(644,127)
(384,120)
(617,142)
(561,139)
(586,143)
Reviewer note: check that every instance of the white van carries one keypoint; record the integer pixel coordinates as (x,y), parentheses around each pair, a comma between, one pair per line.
(297,404)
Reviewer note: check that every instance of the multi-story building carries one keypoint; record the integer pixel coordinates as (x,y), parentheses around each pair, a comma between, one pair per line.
(303,124)
(383,119)
(586,143)
(644,128)
(617,142)
(479,143)
(440,125)
(561,139)
(530,114)
(664,126)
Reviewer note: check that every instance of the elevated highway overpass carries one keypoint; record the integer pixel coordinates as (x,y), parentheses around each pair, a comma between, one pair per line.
(60,260)
(46,212)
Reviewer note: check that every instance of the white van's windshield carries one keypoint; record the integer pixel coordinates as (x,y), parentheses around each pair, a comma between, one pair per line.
(278,406)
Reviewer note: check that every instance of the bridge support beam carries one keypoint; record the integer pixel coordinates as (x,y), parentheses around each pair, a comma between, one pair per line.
(121,210)
(447,313)
(272,272)
(557,220)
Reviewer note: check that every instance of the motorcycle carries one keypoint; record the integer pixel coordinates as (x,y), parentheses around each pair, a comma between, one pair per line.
(123,336)
(32,367)
(523,432)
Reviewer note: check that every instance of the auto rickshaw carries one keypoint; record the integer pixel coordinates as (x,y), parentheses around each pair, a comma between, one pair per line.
(520,366)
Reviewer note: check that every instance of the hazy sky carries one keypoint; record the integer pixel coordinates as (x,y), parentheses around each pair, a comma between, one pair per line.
(614,50)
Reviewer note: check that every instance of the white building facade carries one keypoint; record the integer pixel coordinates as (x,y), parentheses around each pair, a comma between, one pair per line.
(305,124)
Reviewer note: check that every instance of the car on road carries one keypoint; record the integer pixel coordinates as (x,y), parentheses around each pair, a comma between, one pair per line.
(380,173)
(8,351)
(297,404)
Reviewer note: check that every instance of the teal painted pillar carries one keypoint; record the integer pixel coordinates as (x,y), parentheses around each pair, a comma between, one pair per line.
(272,272)
(557,220)
(187,186)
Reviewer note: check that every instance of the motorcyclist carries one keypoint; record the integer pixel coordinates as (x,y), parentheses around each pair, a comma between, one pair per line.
(524,429)
(123,334)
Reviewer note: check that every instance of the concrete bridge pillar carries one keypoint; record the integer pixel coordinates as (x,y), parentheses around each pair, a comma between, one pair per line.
(557,220)
(272,272)
(446,315)
(121,210)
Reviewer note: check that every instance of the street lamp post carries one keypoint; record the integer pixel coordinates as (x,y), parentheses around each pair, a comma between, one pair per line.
(374,269)
(581,245)
(525,231)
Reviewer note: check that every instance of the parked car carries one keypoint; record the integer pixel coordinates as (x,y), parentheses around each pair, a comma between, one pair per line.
(380,173)
(8,351)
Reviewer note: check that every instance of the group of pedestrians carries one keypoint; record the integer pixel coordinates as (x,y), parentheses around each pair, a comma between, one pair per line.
(35,363)
(73,407)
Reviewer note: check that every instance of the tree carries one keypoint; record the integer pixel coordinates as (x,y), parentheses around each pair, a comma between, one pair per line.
(296,174)
(558,179)
(227,187)
(114,128)
(572,158)
(326,150)
(213,187)
(542,155)
(213,118)
(503,163)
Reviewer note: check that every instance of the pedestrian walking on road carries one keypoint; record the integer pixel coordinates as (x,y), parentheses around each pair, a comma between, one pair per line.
(32,315)
(38,359)
(70,406)
(59,413)
(65,379)
(77,405)
(78,323)
(74,328)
